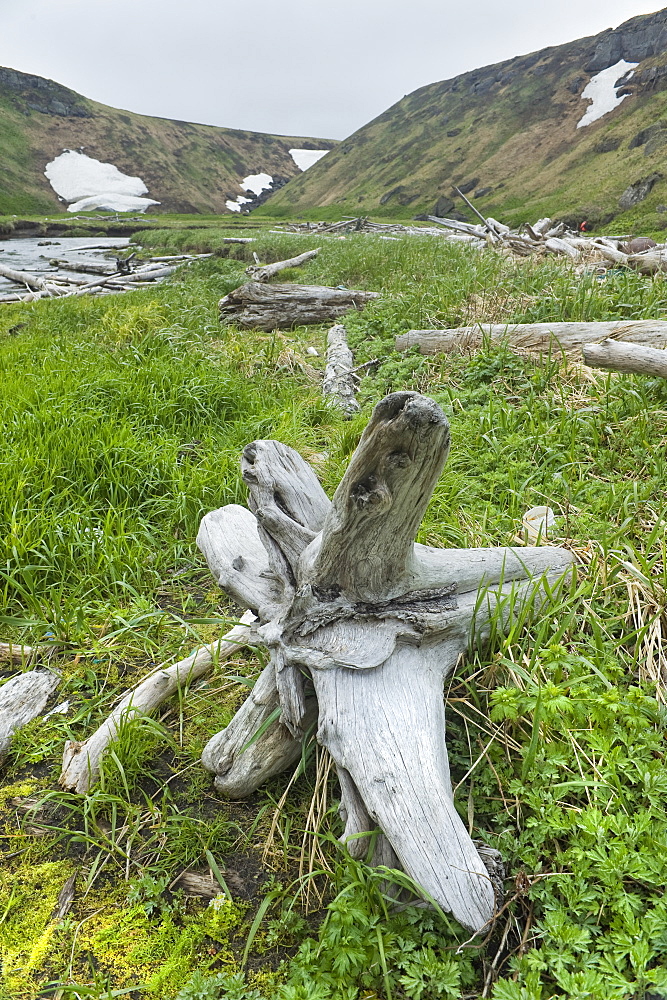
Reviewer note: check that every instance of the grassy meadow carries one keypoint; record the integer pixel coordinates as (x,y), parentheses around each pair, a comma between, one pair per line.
(123,421)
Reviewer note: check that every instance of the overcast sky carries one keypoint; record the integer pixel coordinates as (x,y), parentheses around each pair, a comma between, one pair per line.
(294,67)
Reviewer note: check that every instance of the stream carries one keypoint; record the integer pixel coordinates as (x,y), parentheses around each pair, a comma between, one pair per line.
(33,255)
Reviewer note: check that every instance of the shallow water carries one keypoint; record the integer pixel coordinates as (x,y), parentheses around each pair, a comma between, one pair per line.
(28,255)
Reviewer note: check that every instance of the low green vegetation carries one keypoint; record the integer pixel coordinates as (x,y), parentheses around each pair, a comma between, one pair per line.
(123,421)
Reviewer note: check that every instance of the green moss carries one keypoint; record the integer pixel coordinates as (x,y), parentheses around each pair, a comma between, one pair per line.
(29,937)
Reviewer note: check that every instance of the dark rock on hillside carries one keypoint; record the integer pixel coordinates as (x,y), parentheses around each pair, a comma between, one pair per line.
(45,96)
(647,133)
(653,77)
(609,145)
(480,192)
(443,206)
(401,195)
(468,186)
(636,192)
(656,142)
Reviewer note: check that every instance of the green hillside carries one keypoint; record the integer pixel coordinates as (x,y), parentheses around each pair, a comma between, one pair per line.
(187,168)
(508,134)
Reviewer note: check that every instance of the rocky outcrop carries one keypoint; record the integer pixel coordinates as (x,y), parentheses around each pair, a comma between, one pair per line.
(44,96)
(636,192)
(608,145)
(647,133)
(634,41)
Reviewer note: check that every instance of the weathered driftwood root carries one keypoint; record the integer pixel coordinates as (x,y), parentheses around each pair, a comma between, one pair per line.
(271,307)
(258,272)
(339,386)
(377,622)
(22,699)
(631,358)
(81,761)
(539,337)
(240,765)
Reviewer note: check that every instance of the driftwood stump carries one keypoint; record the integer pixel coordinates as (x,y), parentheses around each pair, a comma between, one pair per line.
(348,601)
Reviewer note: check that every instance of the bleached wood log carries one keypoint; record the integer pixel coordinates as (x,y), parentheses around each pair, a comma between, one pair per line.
(289,509)
(83,268)
(240,759)
(229,539)
(631,358)
(267,271)
(542,226)
(15,652)
(561,246)
(378,622)
(154,273)
(22,699)
(539,337)
(271,307)
(339,385)
(650,261)
(81,761)
(22,278)
(460,227)
(498,227)
(610,252)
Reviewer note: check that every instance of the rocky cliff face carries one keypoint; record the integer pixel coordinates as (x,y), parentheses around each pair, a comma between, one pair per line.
(512,135)
(34,93)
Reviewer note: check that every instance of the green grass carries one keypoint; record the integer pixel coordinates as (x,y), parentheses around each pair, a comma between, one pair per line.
(100,503)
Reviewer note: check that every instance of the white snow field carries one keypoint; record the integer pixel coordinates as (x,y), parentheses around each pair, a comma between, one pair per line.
(235,206)
(601,92)
(256,183)
(89,184)
(305,158)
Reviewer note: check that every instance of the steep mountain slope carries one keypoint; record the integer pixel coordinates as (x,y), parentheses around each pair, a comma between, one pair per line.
(186,167)
(508,134)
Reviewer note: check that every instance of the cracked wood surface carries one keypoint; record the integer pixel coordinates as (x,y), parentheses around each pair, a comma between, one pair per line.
(376,622)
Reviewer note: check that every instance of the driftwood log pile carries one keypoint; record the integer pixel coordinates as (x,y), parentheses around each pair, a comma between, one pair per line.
(123,276)
(543,237)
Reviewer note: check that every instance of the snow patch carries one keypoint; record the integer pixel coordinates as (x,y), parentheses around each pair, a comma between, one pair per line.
(305,158)
(88,184)
(601,91)
(235,206)
(257,183)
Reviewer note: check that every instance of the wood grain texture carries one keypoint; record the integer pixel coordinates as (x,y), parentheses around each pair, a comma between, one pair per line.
(339,386)
(629,358)
(257,306)
(22,699)
(538,337)
(377,622)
